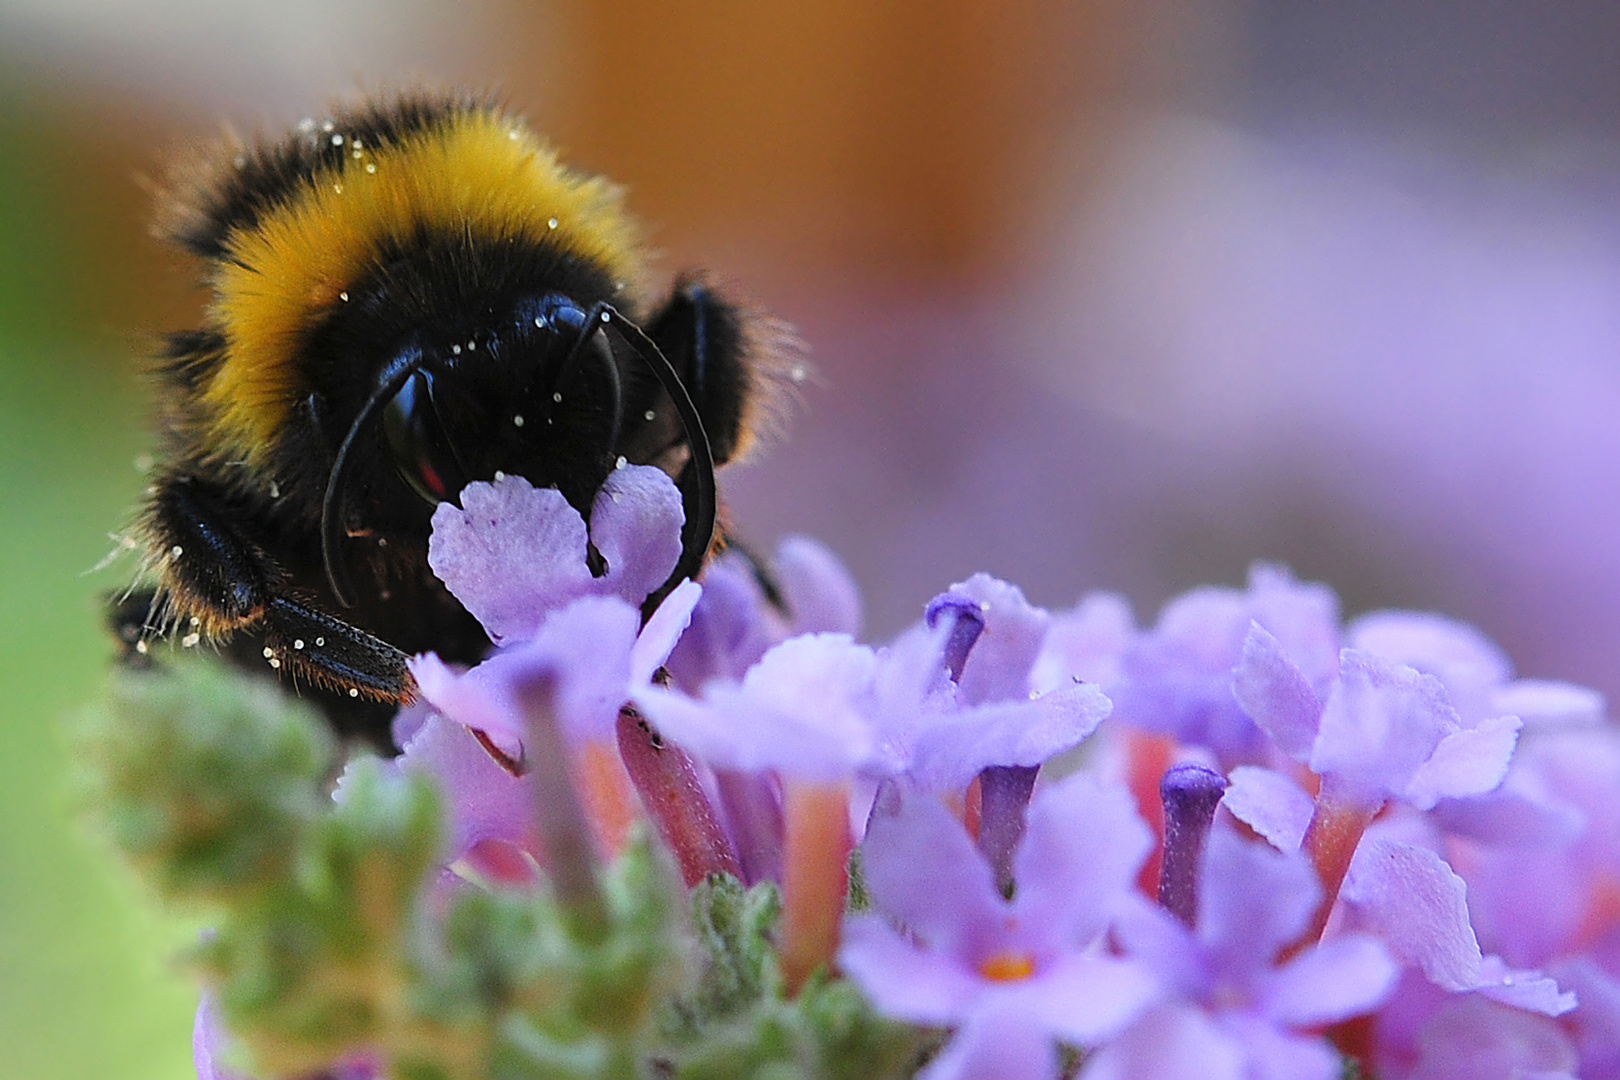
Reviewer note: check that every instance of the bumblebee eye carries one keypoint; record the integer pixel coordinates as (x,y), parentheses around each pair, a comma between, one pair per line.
(418,443)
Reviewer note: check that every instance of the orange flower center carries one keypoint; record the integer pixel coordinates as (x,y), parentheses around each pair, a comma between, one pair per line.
(1007,966)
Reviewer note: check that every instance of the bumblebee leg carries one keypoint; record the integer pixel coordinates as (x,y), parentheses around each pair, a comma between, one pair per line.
(335,654)
(129,618)
(214,575)
(222,584)
(702,335)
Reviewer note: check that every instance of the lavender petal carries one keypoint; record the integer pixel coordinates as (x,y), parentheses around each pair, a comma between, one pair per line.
(818,588)
(510,553)
(923,986)
(1276,694)
(1338,979)
(1269,803)
(1083,844)
(636,526)
(922,868)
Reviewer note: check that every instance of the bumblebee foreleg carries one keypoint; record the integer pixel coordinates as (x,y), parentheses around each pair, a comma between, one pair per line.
(217,584)
(333,653)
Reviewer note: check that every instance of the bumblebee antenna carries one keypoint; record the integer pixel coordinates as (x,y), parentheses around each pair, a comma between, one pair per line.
(700,520)
(393,377)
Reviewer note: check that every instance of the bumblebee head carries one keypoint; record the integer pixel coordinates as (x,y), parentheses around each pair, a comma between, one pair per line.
(542,398)
(556,393)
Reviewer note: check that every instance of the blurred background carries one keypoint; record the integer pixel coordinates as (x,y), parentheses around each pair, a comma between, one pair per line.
(1120,294)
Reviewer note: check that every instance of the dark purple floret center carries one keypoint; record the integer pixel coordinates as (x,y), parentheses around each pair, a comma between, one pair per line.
(966,626)
(1190,794)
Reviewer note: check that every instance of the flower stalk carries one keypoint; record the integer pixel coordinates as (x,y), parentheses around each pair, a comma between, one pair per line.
(815,877)
(565,830)
(1337,825)
(680,810)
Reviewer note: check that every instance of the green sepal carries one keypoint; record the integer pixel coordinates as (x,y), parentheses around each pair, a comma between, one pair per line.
(734,1022)
(204,779)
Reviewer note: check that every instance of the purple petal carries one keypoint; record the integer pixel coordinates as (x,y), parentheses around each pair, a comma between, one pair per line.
(585,646)
(1086,999)
(1178,678)
(636,525)
(910,684)
(1528,990)
(483,801)
(1269,803)
(1381,723)
(818,588)
(997,1043)
(1417,904)
(1277,1054)
(1333,981)
(731,628)
(208,1041)
(953,747)
(1172,1042)
(408,720)
(1471,1038)
(1254,900)
(1304,617)
(1596,1022)
(475,701)
(923,986)
(663,631)
(510,553)
(799,710)
(1469,664)
(1147,932)
(1511,819)
(1276,694)
(1468,762)
(999,666)
(1207,624)
(922,868)
(1544,703)
(1084,644)
(1082,847)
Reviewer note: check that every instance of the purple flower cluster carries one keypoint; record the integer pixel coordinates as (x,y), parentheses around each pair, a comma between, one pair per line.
(1375,843)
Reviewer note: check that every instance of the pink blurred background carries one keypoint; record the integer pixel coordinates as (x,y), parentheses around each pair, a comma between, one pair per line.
(1117,295)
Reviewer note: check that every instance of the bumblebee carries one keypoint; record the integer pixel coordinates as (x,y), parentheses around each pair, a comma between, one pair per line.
(403,298)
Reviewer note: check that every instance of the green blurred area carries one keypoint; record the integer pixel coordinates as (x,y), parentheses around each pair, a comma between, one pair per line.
(86,985)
